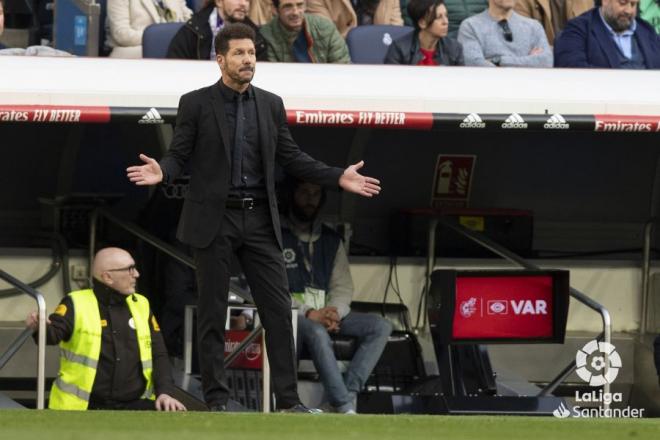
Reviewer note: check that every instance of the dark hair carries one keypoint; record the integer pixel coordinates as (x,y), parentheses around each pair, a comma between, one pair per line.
(287,188)
(276,3)
(232,31)
(418,9)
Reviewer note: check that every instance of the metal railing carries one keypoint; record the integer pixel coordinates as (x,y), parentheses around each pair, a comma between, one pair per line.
(649,227)
(480,239)
(27,333)
(154,241)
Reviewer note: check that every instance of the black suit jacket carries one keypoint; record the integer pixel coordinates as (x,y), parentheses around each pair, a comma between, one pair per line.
(586,42)
(200,139)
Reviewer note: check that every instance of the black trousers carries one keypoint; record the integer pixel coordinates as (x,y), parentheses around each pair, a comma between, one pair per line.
(248,235)
(131,405)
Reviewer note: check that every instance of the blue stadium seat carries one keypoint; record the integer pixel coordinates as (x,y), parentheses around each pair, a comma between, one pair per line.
(369,44)
(195,5)
(156,39)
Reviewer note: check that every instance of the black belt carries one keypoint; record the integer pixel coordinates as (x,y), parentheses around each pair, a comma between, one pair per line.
(245,203)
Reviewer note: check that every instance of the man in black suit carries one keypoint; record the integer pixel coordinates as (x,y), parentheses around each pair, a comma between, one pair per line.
(231,134)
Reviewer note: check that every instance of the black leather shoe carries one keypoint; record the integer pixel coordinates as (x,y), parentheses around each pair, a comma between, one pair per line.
(300,408)
(218,407)
(230,406)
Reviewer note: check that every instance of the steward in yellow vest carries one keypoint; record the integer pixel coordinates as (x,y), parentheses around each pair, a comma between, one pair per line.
(112,355)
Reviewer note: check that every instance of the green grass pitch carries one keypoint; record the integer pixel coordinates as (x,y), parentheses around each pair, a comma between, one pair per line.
(111,425)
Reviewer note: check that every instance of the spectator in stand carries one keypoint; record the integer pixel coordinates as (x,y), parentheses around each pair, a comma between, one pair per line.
(553,14)
(296,37)
(428,45)
(609,37)
(2,22)
(649,10)
(196,39)
(457,11)
(500,37)
(261,11)
(127,20)
(346,14)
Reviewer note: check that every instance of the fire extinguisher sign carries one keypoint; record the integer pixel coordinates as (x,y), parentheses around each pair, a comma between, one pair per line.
(453,180)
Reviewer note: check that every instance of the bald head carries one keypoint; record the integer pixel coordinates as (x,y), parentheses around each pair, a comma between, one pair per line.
(115,268)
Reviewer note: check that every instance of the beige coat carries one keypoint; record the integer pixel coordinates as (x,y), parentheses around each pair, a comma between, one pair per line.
(540,10)
(261,11)
(342,14)
(127,20)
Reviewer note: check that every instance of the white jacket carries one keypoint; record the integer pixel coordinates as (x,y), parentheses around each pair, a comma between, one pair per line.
(127,20)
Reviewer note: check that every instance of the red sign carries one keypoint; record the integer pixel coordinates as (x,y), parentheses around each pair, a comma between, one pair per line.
(331,118)
(503,307)
(453,180)
(250,358)
(53,113)
(626,123)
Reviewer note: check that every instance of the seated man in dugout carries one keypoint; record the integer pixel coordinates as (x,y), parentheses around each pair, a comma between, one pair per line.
(112,354)
(294,36)
(322,288)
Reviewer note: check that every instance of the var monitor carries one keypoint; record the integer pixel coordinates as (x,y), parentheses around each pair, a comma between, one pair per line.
(502,306)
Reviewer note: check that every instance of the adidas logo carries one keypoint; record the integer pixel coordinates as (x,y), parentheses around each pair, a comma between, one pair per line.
(514,121)
(151,117)
(472,120)
(556,122)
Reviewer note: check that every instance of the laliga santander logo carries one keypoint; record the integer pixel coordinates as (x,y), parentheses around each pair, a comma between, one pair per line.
(593,368)
(590,362)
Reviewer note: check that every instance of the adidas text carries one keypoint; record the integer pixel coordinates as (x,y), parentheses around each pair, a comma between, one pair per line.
(556,122)
(472,120)
(514,121)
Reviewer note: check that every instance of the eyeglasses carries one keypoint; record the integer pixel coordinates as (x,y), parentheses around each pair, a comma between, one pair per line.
(131,269)
(506,30)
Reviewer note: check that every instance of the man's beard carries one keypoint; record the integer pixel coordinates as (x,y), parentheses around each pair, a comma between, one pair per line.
(618,23)
(301,215)
(240,80)
(232,19)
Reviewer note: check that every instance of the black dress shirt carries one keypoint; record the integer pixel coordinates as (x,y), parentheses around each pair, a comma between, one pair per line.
(119,372)
(252,170)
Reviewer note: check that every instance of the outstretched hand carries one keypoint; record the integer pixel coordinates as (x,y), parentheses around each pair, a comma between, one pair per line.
(355,182)
(148,174)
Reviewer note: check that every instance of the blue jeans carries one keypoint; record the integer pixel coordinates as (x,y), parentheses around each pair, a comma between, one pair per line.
(371,332)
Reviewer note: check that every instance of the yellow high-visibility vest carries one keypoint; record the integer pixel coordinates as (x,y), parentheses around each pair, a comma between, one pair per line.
(79,355)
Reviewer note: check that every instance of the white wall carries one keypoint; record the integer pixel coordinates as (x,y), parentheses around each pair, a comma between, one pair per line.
(27,266)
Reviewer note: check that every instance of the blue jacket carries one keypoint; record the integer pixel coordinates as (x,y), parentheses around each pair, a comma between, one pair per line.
(586,42)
